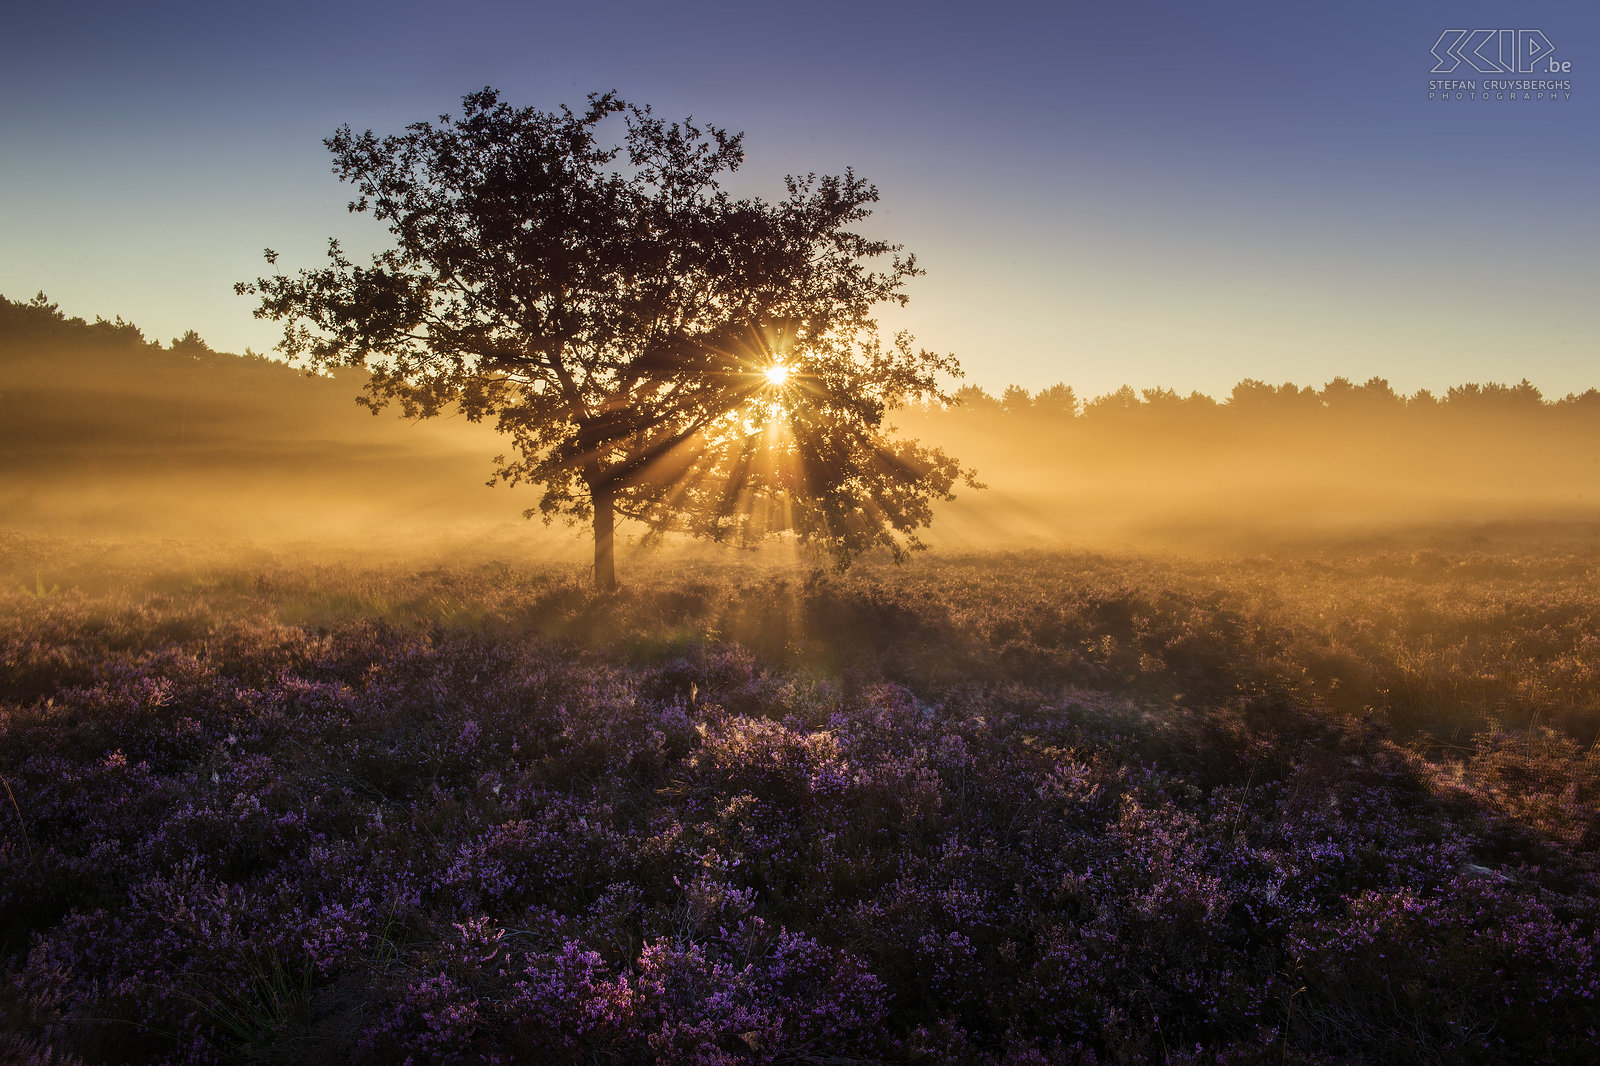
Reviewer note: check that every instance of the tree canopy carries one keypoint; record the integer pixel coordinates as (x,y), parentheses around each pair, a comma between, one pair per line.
(653,346)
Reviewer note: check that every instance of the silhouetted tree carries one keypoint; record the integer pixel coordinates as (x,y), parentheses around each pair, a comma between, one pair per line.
(1016,400)
(192,345)
(1379,394)
(1373,398)
(1257,399)
(1339,393)
(1124,401)
(652,346)
(973,398)
(1058,399)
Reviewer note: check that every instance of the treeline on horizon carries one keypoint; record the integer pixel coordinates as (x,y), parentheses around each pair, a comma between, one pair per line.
(1269,460)
(104,430)
(1375,396)
(71,387)
(41,325)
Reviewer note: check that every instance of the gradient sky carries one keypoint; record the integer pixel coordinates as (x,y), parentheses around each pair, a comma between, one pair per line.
(1173,194)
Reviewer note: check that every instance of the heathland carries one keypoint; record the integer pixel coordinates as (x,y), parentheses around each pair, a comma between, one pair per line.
(1190,758)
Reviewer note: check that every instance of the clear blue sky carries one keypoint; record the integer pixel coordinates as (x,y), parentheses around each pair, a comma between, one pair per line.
(1176,194)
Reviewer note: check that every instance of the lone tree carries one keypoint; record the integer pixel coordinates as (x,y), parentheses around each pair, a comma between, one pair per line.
(653,346)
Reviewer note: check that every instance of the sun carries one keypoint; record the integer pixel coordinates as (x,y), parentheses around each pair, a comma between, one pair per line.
(777,375)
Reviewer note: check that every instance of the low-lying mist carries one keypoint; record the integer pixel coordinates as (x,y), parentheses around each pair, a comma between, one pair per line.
(104,434)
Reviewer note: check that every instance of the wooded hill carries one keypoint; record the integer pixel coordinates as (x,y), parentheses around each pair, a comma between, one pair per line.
(102,428)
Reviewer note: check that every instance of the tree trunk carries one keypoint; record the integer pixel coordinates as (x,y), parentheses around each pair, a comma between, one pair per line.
(605,561)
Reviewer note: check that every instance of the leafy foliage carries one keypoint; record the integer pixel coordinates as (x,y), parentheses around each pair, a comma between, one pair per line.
(616,313)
